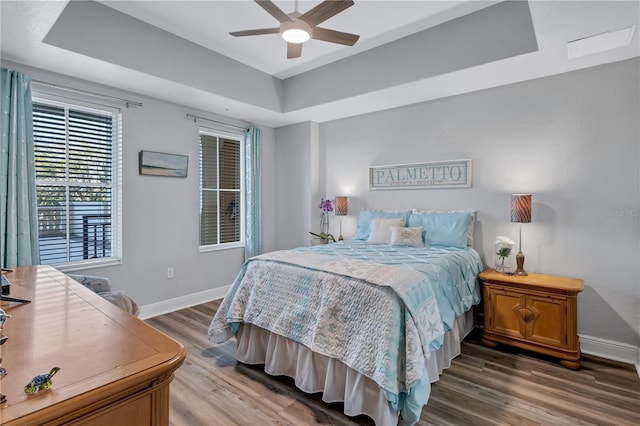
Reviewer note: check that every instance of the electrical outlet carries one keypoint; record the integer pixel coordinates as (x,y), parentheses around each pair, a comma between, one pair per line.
(170,272)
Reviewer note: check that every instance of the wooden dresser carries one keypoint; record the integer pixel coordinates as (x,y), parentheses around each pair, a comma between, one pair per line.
(114,368)
(535,312)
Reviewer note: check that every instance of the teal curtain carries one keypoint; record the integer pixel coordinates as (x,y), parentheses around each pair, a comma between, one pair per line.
(19,224)
(253,185)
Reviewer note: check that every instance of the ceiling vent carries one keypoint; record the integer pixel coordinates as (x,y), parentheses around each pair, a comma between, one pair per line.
(600,42)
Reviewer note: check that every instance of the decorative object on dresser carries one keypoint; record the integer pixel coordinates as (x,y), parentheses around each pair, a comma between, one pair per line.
(3,317)
(6,290)
(41,382)
(3,371)
(6,285)
(342,206)
(535,312)
(520,213)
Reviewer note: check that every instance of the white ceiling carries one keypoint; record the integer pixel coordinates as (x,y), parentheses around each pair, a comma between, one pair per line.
(25,24)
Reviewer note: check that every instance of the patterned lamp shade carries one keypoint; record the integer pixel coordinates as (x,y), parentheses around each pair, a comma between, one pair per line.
(342,206)
(521,208)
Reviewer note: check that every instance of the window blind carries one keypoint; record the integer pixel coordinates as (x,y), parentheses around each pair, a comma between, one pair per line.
(220,190)
(73,152)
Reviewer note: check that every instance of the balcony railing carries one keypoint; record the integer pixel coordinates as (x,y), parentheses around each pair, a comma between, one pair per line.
(82,233)
(96,229)
(51,221)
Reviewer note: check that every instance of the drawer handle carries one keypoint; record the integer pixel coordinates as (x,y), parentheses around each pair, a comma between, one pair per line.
(528,315)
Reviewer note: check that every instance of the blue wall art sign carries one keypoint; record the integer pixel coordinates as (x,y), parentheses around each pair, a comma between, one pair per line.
(434,174)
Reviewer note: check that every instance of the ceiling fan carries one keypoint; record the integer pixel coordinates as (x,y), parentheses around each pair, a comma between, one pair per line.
(296,28)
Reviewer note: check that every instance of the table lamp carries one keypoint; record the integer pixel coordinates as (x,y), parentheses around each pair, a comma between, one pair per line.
(342,206)
(520,213)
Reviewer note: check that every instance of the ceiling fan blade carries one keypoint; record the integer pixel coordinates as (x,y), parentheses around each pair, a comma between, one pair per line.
(274,10)
(294,50)
(334,36)
(324,11)
(258,31)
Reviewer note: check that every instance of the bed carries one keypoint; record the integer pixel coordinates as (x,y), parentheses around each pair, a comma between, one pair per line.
(366,322)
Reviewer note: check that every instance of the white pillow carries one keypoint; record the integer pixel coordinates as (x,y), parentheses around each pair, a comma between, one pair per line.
(367,215)
(472,221)
(406,237)
(381,230)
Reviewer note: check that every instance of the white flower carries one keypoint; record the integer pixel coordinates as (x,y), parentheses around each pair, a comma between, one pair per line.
(504,246)
(504,242)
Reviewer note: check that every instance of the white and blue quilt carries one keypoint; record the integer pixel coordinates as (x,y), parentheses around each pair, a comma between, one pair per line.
(376,308)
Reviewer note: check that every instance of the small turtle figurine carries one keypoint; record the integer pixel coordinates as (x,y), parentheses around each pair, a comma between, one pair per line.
(41,382)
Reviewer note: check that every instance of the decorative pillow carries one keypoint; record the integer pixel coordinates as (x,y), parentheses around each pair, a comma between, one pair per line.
(406,237)
(367,215)
(381,230)
(472,221)
(443,229)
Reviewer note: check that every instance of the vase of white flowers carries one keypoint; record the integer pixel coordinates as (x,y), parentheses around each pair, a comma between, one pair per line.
(504,247)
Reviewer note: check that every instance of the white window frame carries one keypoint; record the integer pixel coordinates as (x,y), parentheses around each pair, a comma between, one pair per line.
(61,98)
(240,138)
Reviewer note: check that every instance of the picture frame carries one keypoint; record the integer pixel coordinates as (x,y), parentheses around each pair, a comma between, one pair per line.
(162,164)
(427,175)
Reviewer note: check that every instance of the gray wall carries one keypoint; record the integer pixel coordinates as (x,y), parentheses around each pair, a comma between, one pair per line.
(572,140)
(160,215)
(298,182)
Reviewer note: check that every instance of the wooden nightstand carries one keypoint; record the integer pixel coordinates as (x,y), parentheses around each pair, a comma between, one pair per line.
(535,312)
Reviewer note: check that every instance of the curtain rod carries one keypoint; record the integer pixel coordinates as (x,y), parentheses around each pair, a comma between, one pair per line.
(197,118)
(127,102)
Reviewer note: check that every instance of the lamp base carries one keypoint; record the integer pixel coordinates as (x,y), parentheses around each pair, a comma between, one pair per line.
(520,265)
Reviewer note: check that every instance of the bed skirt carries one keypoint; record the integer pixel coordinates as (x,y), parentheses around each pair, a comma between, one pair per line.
(315,373)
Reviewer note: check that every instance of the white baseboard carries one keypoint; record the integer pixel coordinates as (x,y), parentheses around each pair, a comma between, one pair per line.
(182,302)
(609,349)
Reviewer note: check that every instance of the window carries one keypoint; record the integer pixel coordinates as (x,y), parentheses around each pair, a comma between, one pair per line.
(76,152)
(221,185)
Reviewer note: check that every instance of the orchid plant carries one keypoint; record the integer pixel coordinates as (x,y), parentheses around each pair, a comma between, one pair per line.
(326,206)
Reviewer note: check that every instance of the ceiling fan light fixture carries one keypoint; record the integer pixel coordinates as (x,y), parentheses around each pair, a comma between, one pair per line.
(297,28)
(296,31)
(296,35)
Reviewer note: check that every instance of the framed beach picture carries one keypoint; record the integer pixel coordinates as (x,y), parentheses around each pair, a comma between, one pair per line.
(162,164)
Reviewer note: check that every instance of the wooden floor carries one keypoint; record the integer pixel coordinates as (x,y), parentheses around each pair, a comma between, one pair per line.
(483,387)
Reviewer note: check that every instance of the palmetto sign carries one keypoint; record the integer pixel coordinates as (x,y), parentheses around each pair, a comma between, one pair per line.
(434,174)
